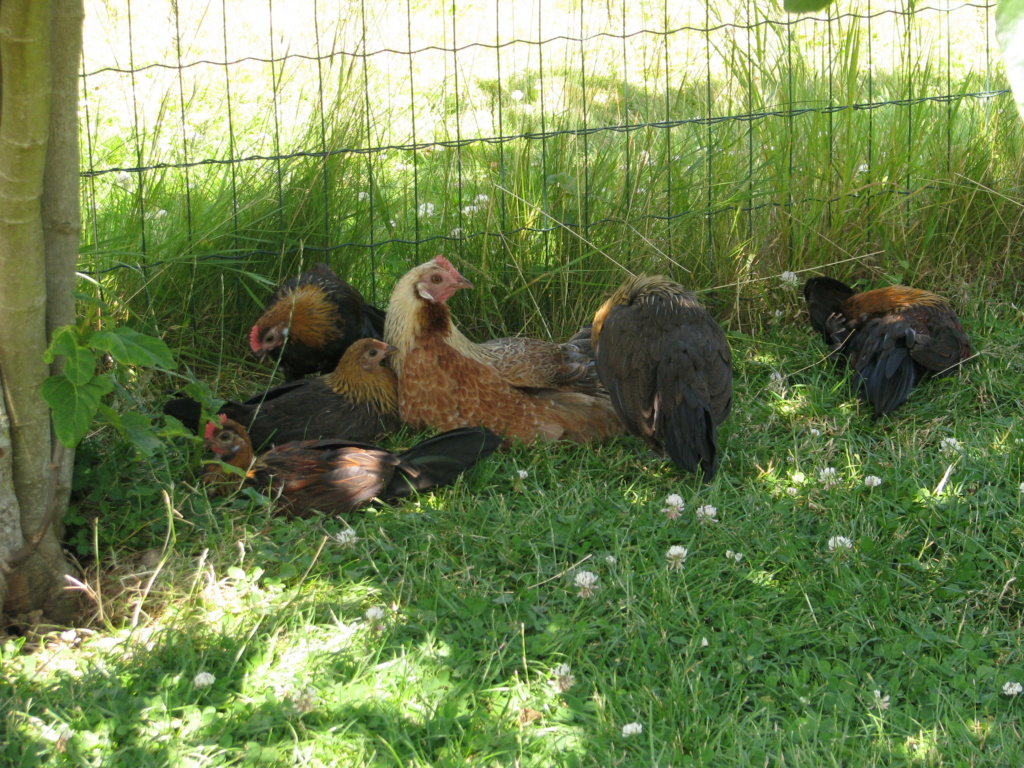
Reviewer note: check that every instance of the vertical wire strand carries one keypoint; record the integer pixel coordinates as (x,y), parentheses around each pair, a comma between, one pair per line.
(412,121)
(275,100)
(186,170)
(232,150)
(329,242)
(364,57)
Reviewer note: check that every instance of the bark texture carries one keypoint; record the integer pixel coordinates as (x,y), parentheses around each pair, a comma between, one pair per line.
(40,44)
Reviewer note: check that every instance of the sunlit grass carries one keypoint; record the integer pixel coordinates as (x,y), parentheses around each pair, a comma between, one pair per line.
(435,632)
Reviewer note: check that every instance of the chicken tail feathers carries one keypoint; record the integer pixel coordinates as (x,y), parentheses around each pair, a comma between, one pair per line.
(373,322)
(688,434)
(440,459)
(824,298)
(186,410)
(885,381)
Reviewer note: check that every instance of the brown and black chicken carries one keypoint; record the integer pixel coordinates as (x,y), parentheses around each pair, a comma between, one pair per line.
(892,337)
(337,476)
(668,368)
(311,320)
(356,401)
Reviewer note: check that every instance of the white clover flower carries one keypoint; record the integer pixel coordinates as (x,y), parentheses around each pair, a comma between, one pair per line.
(346,538)
(872,481)
(707,514)
(790,279)
(470,210)
(600,98)
(736,556)
(950,446)
(791,491)
(204,680)
(881,702)
(610,559)
(481,198)
(1022,487)
(674,506)
(562,678)
(523,474)
(123,179)
(426,210)
(815,432)
(632,729)
(362,197)
(516,95)
(828,476)
(587,583)
(305,700)
(1012,689)
(703,642)
(456,233)
(777,314)
(676,557)
(862,168)
(374,613)
(839,542)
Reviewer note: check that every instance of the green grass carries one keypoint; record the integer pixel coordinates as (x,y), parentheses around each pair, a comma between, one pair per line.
(546,219)
(480,605)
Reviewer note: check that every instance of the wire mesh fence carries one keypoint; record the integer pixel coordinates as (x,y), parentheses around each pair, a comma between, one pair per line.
(720,141)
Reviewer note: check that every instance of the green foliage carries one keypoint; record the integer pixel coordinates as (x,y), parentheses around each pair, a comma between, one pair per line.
(1010,34)
(76,396)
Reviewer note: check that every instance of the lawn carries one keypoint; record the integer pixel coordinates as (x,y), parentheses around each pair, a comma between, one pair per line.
(817,616)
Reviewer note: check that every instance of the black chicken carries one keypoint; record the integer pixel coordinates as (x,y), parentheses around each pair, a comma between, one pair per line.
(668,368)
(337,476)
(892,337)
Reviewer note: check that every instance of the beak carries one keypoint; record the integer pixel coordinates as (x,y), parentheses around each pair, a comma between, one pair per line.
(463,283)
(390,350)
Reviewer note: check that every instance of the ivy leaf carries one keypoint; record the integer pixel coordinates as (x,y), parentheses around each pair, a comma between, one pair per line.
(74,406)
(1010,34)
(805,6)
(130,347)
(79,362)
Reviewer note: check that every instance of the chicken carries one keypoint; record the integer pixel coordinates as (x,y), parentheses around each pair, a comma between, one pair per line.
(891,337)
(338,476)
(311,320)
(668,368)
(446,381)
(357,401)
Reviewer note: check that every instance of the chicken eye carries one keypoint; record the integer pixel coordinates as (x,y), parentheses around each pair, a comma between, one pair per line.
(435,278)
(373,353)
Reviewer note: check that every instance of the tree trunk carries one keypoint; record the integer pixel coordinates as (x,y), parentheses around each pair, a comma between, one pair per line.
(40,45)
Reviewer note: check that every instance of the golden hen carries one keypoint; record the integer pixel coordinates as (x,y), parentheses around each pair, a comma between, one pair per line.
(668,368)
(311,320)
(358,400)
(525,389)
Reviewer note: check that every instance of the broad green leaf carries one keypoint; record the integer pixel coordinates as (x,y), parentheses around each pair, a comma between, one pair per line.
(79,362)
(805,6)
(1010,34)
(139,431)
(130,347)
(74,406)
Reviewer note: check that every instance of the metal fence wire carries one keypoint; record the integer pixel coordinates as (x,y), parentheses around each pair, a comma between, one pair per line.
(255,133)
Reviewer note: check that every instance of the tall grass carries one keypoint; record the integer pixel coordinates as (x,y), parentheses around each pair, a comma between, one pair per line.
(721,146)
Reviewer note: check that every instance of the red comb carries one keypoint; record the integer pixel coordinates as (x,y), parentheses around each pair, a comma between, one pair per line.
(447,266)
(210,429)
(254,338)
